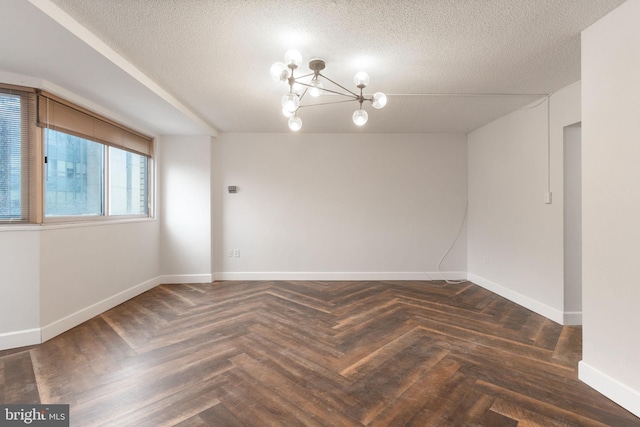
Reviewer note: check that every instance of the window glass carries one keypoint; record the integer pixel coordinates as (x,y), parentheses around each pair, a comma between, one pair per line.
(127,183)
(74,175)
(11,155)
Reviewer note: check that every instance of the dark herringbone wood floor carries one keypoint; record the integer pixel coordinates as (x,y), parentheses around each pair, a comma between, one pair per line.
(313,354)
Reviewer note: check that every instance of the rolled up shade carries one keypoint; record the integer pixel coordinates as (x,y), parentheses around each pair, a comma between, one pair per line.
(60,115)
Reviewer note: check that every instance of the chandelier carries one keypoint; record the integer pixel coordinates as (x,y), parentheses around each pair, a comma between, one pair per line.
(314,84)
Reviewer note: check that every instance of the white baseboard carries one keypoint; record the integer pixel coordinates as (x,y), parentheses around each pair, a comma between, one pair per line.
(20,338)
(572,318)
(74,319)
(185,278)
(523,300)
(620,393)
(343,276)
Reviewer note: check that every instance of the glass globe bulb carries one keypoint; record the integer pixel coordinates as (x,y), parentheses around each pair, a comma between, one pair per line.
(360,117)
(379,100)
(279,72)
(361,79)
(290,102)
(295,123)
(293,57)
(287,113)
(316,88)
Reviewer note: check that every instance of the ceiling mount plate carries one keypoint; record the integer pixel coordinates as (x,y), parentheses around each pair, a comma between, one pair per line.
(317,64)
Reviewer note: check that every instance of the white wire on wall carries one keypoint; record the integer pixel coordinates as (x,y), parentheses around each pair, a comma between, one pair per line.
(546,98)
(464,220)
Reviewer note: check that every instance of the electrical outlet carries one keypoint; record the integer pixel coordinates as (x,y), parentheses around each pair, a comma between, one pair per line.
(230,253)
(236,253)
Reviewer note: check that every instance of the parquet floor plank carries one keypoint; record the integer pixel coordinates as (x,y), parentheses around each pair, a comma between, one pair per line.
(313,353)
(19,379)
(310,397)
(423,397)
(320,382)
(217,415)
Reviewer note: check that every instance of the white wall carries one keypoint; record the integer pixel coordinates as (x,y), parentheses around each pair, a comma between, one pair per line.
(185,208)
(19,286)
(337,206)
(515,240)
(611,205)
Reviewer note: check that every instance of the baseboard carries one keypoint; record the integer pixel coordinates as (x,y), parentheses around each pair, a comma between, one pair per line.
(620,393)
(59,326)
(185,278)
(343,276)
(20,338)
(572,318)
(523,300)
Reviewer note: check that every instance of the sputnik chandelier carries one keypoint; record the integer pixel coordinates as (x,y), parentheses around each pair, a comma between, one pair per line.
(314,84)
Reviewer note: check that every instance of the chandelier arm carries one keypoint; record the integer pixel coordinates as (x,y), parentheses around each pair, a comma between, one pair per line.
(302,77)
(339,93)
(304,84)
(327,103)
(333,91)
(303,94)
(339,85)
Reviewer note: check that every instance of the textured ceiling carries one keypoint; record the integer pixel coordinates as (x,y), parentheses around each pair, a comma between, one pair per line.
(214,56)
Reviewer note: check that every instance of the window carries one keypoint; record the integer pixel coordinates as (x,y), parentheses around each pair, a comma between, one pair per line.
(77,165)
(17,141)
(94,167)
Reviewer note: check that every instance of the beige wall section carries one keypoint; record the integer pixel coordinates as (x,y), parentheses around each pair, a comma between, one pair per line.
(338,206)
(611,205)
(515,239)
(185,208)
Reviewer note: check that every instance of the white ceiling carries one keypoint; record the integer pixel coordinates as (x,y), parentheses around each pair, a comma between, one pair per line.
(175,62)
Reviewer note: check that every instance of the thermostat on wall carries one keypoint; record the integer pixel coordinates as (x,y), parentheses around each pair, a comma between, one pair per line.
(233,189)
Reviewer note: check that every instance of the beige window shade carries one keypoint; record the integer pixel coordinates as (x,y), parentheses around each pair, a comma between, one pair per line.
(58,114)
